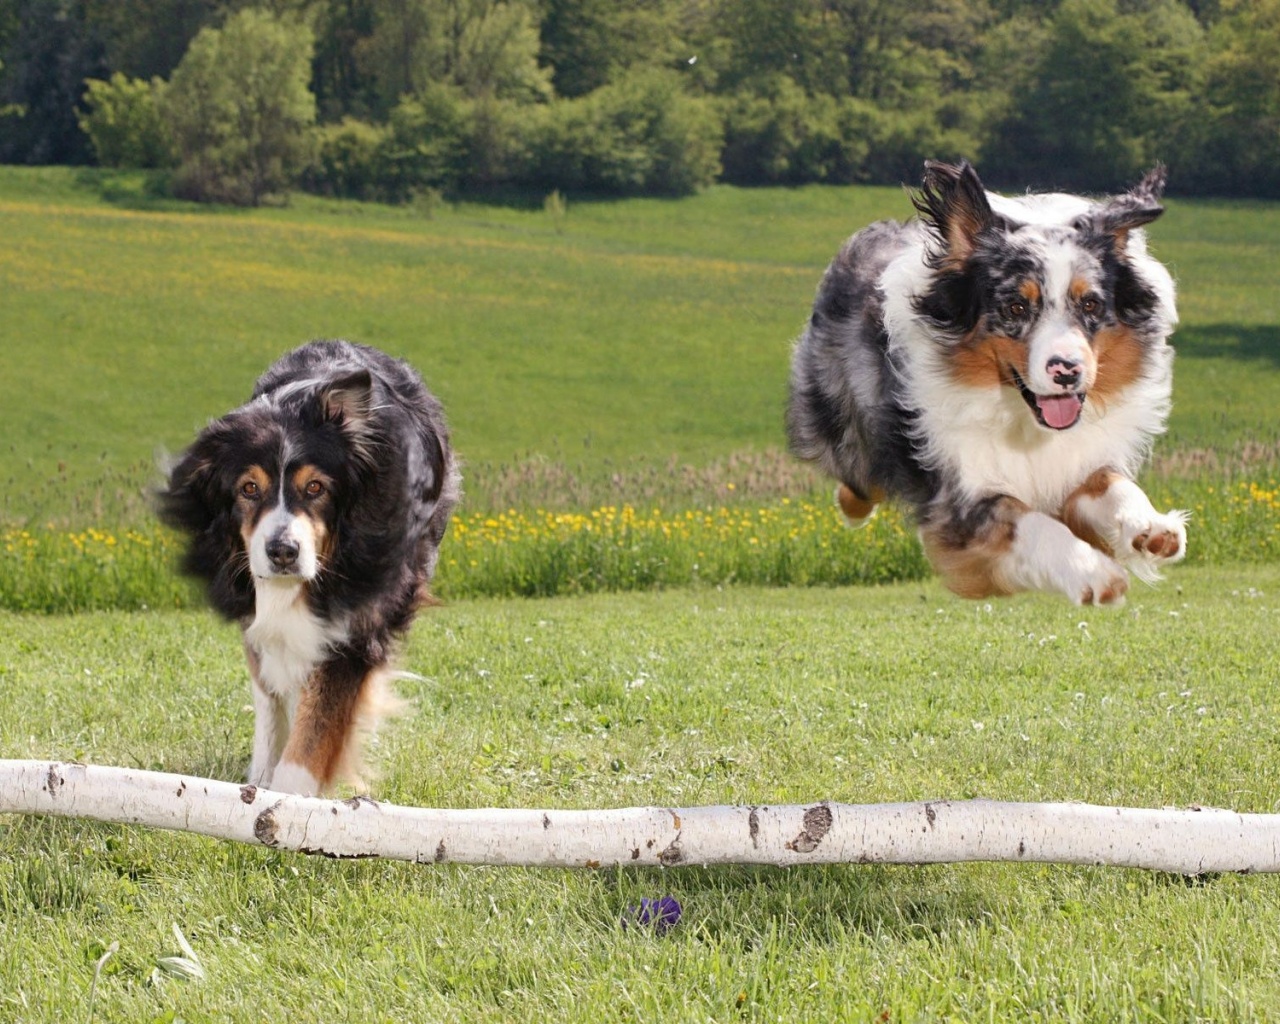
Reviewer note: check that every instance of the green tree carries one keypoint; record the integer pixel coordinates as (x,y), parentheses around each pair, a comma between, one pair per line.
(238,108)
(589,43)
(484,47)
(341,85)
(1236,148)
(800,39)
(147,38)
(1110,91)
(49,52)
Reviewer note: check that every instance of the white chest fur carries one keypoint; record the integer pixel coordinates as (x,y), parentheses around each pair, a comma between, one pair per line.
(991,445)
(289,639)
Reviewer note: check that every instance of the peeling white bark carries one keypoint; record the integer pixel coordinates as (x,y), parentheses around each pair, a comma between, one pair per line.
(1192,841)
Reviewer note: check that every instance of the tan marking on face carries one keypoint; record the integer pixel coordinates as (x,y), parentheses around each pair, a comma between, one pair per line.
(1030,290)
(1096,484)
(313,507)
(257,476)
(304,475)
(1080,287)
(1090,368)
(251,510)
(1118,355)
(855,507)
(972,569)
(982,360)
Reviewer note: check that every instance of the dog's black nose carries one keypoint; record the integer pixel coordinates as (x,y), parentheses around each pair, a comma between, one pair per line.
(1065,372)
(282,552)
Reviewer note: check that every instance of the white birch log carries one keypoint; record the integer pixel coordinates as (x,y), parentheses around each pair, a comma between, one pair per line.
(1191,841)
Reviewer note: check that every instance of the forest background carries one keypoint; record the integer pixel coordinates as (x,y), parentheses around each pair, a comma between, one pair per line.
(413,100)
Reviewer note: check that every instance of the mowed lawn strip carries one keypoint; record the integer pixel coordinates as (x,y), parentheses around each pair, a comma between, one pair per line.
(685,698)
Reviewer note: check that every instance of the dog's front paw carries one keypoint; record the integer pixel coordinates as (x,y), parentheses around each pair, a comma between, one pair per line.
(294,778)
(1147,543)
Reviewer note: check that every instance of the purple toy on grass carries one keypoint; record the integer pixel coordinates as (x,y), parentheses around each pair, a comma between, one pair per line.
(661,914)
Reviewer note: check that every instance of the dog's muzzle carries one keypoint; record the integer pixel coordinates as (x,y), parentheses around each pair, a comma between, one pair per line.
(1059,411)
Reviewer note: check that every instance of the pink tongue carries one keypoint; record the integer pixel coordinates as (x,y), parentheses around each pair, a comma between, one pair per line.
(1059,410)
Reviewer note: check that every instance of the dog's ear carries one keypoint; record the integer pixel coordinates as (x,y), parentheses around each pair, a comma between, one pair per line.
(348,401)
(197,499)
(1140,205)
(194,495)
(954,204)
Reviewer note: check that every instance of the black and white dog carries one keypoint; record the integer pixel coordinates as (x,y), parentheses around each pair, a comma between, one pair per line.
(1002,366)
(314,513)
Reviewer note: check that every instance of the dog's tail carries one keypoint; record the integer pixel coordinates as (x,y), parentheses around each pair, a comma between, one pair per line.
(378,701)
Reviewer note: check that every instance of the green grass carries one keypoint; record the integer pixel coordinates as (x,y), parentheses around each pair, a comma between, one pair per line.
(646,330)
(686,698)
(638,358)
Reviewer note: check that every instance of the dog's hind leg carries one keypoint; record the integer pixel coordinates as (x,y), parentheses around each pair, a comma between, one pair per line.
(1001,546)
(858,510)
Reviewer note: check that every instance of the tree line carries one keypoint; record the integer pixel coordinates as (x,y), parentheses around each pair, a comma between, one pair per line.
(395,99)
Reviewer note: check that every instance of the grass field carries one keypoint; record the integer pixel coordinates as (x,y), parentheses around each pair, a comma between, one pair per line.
(616,384)
(687,698)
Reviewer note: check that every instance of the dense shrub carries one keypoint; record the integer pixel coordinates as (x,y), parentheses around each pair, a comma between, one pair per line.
(426,144)
(349,158)
(497,142)
(440,140)
(123,122)
(778,134)
(642,133)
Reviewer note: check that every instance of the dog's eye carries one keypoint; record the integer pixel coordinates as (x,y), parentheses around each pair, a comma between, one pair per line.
(250,490)
(313,489)
(1091,305)
(1016,310)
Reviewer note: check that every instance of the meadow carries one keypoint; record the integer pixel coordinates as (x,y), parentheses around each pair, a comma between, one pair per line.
(615,379)
(693,697)
(615,376)
(611,340)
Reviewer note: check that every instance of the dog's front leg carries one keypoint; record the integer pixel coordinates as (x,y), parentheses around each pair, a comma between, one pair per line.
(322,733)
(999,545)
(1112,513)
(270,730)
(270,724)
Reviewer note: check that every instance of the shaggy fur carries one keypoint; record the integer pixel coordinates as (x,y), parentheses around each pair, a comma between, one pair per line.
(314,514)
(1001,365)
